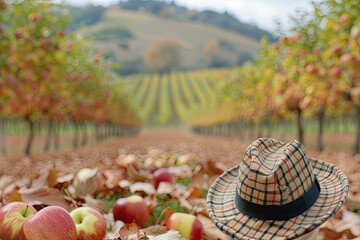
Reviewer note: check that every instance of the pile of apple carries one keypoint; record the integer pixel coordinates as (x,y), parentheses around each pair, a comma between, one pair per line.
(134,209)
(21,221)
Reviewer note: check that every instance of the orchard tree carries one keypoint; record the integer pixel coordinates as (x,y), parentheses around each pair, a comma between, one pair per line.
(163,55)
(38,32)
(4,54)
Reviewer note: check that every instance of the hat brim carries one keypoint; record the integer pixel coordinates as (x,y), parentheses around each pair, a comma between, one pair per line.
(223,211)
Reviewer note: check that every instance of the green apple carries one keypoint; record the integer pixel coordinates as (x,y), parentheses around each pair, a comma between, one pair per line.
(12,217)
(89,223)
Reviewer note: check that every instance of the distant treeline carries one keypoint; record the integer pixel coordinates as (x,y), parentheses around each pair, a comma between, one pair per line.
(89,15)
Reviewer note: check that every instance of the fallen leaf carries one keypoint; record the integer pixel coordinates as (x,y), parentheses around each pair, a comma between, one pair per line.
(124,183)
(181,171)
(170,235)
(135,175)
(85,182)
(193,192)
(210,231)
(123,161)
(143,188)
(44,196)
(167,214)
(344,224)
(113,178)
(165,188)
(52,177)
(6,180)
(214,168)
(129,229)
(96,204)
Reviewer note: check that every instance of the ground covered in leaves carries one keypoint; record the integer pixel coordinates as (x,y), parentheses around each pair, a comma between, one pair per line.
(195,161)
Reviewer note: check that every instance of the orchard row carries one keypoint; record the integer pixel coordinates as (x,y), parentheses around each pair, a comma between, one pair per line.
(312,72)
(173,97)
(49,74)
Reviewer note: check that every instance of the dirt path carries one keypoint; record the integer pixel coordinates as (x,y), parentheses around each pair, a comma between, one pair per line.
(102,155)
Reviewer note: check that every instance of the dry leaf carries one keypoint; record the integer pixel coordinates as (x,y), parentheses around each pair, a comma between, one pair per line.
(143,188)
(193,192)
(195,205)
(44,196)
(343,224)
(170,235)
(210,231)
(135,174)
(154,230)
(215,168)
(165,188)
(181,171)
(124,183)
(113,178)
(85,182)
(6,180)
(167,214)
(129,229)
(123,161)
(13,196)
(52,177)
(96,204)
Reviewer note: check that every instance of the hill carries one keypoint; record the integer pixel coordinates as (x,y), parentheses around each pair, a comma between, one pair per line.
(125,36)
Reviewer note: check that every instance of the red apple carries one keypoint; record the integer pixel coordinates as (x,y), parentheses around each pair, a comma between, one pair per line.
(131,209)
(335,71)
(12,217)
(310,68)
(187,225)
(89,223)
(52,222)
(161,175)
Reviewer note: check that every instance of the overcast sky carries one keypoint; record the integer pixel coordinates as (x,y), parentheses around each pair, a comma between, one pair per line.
(262,13)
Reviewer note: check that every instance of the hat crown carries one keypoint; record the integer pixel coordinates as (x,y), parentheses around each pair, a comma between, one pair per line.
(274,173)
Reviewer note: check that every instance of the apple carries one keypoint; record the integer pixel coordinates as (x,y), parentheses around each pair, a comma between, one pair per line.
(162,175)
(335,71)
(51,222)
(310,68)
(186,224)
(131,209)
(89,223)
(12,217)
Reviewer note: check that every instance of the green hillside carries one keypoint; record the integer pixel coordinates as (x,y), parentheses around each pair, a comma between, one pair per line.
(125,36)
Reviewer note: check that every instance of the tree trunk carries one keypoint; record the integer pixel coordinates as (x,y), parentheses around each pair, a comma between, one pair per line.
(2,138)
(85,135)
(47,144)
(282,131)
(356,149)
(30,138)
(76,135)
(300,126)
(320,142)
(57,136)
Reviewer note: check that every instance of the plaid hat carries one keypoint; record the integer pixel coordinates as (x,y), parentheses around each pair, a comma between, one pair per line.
(276,192)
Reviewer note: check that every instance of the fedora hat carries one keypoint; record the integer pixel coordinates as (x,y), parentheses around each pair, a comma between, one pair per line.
(276,192)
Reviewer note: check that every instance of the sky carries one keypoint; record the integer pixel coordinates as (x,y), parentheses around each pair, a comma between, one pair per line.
(262,13)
